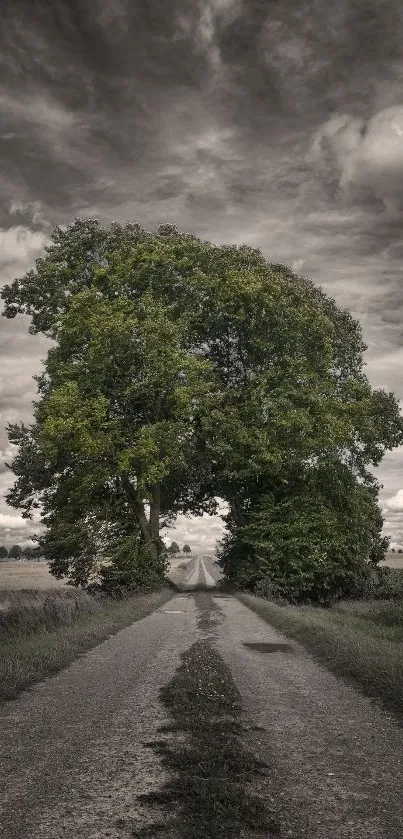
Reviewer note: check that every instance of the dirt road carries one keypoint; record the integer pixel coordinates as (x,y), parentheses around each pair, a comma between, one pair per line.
(75,753)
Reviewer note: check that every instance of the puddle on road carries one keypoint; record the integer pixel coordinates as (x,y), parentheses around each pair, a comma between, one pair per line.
(262,647)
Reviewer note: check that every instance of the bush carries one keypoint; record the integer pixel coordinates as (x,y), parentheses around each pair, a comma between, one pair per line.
(268,588)
(382,583)
(313,543)
(132,568)
(389,615)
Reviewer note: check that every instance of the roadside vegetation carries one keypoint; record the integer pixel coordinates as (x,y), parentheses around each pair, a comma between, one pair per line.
(27,575)
(41,632)
(359,639)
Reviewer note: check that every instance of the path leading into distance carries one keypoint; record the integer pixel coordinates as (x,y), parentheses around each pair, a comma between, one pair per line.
(75,752)
(196,574)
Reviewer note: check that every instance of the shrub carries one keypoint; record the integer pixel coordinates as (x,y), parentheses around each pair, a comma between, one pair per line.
(389,615)
(132,568)
(382,583)
(314,542)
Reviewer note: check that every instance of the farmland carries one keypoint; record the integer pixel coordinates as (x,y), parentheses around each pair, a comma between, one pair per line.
(393,560)
(23,575)
(35,575)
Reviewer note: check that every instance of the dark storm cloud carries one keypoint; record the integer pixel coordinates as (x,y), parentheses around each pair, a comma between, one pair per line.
(278,124)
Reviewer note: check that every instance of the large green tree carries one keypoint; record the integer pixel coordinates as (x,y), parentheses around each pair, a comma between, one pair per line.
(112,454)
(182,371)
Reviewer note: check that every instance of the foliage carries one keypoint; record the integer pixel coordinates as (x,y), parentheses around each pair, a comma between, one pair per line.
(182,371)
(186,549)
(383,584)
(132,567)
(26,612)
(315,545)
(3,552)
(15,552)
(173,548)
(115,424)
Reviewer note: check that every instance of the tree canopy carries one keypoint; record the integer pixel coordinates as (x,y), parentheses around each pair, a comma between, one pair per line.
(183,371)
(173,548)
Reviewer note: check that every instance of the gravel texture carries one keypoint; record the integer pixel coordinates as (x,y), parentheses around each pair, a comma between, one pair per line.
(336,756)
(74,753)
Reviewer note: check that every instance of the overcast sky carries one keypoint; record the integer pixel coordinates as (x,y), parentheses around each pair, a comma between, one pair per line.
(275,124)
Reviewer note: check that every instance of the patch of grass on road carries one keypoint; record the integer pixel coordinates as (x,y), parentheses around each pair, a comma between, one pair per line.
(210,770)
(32,650)
(361,641)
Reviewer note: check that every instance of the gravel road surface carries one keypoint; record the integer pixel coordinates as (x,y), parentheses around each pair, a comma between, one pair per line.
(74,751)
(337,757)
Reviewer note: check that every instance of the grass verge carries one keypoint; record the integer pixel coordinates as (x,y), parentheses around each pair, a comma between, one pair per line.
(362,645)
(28,610)
(209,768)
(27,657)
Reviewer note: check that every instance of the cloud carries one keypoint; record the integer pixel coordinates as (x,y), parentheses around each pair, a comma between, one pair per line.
(19,246)
(113,18)
(367,153)
(12,522)
(201,532)
(33,210)
(395,502)
(274,124)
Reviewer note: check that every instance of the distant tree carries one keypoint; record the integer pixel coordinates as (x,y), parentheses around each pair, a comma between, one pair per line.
(3,552)
(400,551)
(173,548)
(186,549)
(28,552)
(393,550)
(15,552)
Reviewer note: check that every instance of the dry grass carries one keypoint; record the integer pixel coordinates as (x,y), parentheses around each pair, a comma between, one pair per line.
(359,640)
(43,632)
(27,575)
(26,611)
(392,560)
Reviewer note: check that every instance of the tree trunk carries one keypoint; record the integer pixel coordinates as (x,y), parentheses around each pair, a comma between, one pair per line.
(138,508)
(155,510)
(237,510)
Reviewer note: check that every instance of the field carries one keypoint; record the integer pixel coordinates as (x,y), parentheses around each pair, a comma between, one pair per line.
(393,560)
(35,575)
(19,575)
